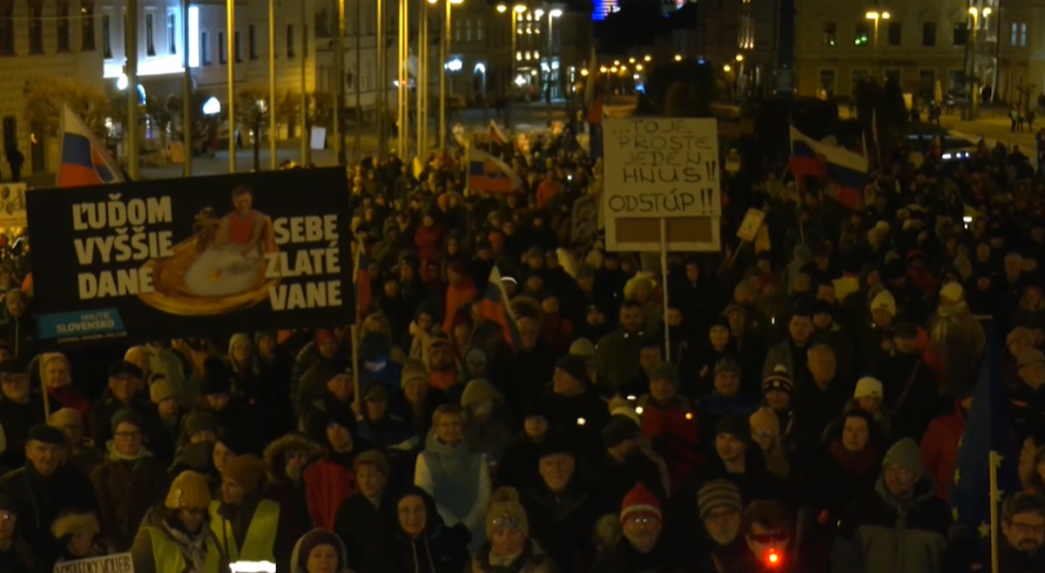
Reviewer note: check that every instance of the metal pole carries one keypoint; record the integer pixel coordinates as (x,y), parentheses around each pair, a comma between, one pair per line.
(975,71)
(186,94)
(132,88)
(357,145)
(422,84)
(403,89)
(230,60)
(306,150)
(382,81)
(444,54)
(339,65)
(511,79)
(551,54)
(272,84)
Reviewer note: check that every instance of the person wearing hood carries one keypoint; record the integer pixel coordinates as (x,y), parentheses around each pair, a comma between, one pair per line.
(329,481)
(899,525)
(77,536)
(573,405)
(287,457)
(442,365)
(361,520)
(518,467)
(175,536)
(319,551)
(123,393)
(457,478)
(42,489)
(626,460)
(129,481)
(80,455)
(697,367)
(725,397)
(240,363)
(246,526)
(15,554)
(642,546)
(20,409)
(418,540)
(486,430)
(509,548)
(475,363)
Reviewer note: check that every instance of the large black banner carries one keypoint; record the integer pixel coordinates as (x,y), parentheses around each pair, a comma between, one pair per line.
(191,257)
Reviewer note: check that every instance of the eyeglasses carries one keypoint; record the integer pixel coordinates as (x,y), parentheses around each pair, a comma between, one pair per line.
(642,520)
(505,521)
(771,537)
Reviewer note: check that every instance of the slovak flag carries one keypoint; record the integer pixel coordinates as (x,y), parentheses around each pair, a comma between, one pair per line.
(496,135)
(361,277)
(85,160)
(487,174)
(848,170)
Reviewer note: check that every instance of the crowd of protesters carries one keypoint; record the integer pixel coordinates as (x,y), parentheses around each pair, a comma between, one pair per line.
(805,415)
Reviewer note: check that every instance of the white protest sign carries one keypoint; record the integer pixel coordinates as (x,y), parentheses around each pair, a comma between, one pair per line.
(318,140)
(119,563)
(661,167)
(584,220)
(12,205)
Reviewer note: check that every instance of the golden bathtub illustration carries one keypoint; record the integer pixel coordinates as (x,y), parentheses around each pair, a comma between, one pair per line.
(219,269)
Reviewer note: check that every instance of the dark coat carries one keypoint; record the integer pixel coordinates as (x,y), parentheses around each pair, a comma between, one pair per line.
(440,549)
(562,523)
(41,499)
(361,525)
(16,419)
(126,490)
(103,411)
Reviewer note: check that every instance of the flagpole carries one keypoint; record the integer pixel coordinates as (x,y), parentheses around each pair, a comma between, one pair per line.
(664,286)
(994,462)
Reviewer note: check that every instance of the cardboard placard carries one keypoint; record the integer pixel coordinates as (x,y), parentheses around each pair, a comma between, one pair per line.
(119,563)
(12,205)
(750,225)
(658,168)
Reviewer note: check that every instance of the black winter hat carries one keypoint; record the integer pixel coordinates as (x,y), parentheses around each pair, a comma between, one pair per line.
(13,365)
(575,366)
(735,425)
(123,368)
(46,435)
(556,444)
(619,429)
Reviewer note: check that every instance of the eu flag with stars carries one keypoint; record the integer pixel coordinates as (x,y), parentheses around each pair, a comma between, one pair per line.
(988,430)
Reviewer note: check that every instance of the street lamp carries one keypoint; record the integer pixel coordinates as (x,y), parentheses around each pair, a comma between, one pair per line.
(584,72)
(678,58)
(973,58)
(517,10)
(875,16)
(638,67)
(602,69)
(740,57)
(631,60)
(648,58)
(726,68)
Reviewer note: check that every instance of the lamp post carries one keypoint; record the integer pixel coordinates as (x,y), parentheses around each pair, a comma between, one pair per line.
(230,59)
(272,86)
(975,96)
(423,59)
(131,72)
(875,16)
(381,104)
(339,104)
(553,53)
(516,11)
(403,85)
(444,56)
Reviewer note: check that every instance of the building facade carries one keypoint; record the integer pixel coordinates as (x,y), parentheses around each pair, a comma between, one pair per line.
(922,44)
(1021,36)
(39,39)
(752,37)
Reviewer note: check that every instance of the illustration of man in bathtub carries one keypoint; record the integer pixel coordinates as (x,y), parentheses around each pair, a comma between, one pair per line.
(232,257)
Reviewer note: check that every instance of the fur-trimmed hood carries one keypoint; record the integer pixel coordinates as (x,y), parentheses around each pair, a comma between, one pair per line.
(277,449)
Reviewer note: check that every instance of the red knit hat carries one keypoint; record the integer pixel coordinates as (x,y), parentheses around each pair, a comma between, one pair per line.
(639,502)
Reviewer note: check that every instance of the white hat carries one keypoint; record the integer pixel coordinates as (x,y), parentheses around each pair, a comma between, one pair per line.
(868,387)
(884,301)
(952,292)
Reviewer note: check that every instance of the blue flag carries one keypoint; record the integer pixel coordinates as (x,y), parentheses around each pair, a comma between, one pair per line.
(988,429)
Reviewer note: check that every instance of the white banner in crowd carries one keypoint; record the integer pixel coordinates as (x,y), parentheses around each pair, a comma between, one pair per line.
(119,563)
(12,205)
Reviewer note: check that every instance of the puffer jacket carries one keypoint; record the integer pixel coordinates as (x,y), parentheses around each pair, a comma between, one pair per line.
(880,534)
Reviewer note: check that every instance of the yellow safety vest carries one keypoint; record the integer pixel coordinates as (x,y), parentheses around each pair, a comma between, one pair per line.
(167,555)
(260,543)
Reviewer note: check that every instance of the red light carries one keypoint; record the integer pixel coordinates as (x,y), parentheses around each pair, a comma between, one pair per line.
(773,558)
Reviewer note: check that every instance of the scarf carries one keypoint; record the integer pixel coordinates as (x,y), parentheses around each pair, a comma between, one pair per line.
(857,462)
(116,456)
(193,547)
